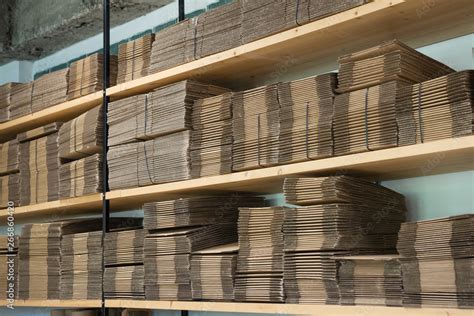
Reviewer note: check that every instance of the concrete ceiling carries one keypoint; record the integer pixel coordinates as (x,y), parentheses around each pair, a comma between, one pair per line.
(30,29)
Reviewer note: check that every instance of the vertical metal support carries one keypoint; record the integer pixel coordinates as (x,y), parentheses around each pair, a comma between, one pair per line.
(105,101)
(181,17)
(181,14)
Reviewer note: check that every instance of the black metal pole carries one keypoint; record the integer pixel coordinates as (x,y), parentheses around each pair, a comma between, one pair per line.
(181,17)
(105,101)
(181,14)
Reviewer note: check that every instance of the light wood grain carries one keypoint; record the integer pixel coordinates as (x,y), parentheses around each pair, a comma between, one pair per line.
(57,209)
(57,113)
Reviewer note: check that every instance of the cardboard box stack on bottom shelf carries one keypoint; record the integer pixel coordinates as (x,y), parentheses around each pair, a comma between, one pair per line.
(179,228)
(124,274)
(437,258)
(62,260)
(338,215)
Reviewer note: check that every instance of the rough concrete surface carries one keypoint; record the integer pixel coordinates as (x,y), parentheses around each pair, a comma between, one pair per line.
(37,28)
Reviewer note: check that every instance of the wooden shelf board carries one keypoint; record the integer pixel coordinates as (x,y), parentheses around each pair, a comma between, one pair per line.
(450,155)
(57,209)
(322,310)
(318,43)
(57,113)
(57,303)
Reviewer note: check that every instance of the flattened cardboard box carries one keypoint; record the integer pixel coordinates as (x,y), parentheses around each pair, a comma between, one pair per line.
(163,111)
(39,165)
(391,60)
(9,157)
(81,177)
(436,109)
(259,275)
(370,280)
(6,100)
(160,160)
(82,136)
(213,273)
(168,254)
(196,211)
(437,259)
(134,58)
(86,75)
(81,268)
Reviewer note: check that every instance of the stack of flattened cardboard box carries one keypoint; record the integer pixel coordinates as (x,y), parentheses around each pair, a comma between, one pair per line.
(256,128)
(213,273)
(6,100)
(178,228)
(436,109)
(211,143)
(134,58)
(259,276)
(39,165)
(370,280)
(437,258)
(336,216)
(365,114)
(9,174)
(86,75)
(124,272)
(80,151)
(150,135)
(306,118)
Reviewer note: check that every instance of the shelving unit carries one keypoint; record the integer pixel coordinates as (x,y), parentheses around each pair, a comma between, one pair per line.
(318,43)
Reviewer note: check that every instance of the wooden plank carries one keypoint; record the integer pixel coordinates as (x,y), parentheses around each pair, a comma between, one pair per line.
(326,310)
(58,113)
(318,43)
(442,156)
(58,209)
(57,303)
